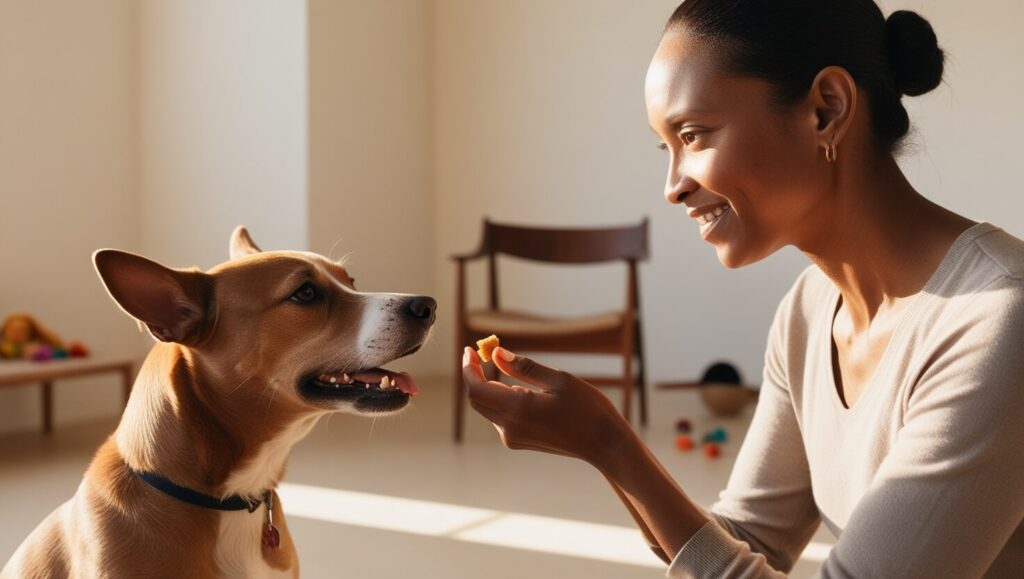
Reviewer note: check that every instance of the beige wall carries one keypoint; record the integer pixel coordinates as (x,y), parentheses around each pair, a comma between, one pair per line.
(68,182)
(540,119)
(370,177)
(223,133)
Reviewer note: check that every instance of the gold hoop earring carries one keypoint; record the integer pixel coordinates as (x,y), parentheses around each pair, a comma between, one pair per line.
(831,153)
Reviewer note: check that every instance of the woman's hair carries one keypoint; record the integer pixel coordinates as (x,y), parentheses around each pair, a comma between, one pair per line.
(788,42)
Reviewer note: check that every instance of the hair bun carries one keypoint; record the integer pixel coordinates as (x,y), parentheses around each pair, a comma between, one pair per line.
(915,58)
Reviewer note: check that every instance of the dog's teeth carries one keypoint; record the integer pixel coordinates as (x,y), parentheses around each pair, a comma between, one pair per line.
(333,380)
(346,378)
(367,386)
(385,383)
(337,385)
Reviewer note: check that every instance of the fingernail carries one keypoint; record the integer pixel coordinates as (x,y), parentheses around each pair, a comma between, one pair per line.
(505,355)
(465,356)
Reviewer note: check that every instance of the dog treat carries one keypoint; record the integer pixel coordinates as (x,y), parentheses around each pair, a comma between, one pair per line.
(486,346)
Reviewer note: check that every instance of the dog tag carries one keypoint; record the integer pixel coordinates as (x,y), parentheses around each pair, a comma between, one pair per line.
(271,536)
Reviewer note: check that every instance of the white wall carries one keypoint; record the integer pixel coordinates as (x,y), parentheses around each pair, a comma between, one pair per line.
(223,133)
(540,119)
(68,183)
(370,118)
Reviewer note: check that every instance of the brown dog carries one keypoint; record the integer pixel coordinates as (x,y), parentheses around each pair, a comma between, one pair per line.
(250,355)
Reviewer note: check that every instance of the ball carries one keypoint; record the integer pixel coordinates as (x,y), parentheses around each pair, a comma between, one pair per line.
(711,450)
(684,442)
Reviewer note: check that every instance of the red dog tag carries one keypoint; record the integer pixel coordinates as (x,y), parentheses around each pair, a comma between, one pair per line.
(271,537)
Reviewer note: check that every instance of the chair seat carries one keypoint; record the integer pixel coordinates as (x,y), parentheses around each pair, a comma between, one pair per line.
(512,323)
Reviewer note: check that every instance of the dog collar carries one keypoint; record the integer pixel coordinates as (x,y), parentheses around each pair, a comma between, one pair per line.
(270,536)
(193,497)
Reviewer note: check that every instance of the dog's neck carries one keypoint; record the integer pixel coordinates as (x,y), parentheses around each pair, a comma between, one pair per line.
(218,441)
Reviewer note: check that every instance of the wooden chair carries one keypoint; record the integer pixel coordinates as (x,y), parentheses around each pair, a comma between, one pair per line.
(617,332)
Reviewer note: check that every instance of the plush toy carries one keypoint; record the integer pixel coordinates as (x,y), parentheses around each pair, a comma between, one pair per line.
(22,337)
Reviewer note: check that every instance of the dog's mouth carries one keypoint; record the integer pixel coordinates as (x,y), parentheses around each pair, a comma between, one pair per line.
(372,390)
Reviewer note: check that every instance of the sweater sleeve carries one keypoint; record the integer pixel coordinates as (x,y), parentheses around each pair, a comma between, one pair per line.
(766,515)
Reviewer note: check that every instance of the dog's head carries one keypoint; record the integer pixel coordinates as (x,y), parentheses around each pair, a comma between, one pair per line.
(287,325)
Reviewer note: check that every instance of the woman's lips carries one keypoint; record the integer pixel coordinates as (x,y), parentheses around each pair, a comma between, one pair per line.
(716,217)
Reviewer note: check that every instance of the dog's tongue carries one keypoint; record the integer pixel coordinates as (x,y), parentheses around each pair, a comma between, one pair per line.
(403,380)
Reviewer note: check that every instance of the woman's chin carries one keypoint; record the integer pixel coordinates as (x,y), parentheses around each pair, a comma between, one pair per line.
(735,256)
(730,259)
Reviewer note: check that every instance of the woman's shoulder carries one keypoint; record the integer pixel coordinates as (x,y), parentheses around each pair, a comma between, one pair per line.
(988,274)
(1003,252)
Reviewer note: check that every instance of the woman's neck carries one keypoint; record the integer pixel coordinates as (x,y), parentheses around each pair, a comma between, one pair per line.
(883,240)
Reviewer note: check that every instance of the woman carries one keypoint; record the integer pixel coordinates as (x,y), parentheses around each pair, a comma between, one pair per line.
(893,394)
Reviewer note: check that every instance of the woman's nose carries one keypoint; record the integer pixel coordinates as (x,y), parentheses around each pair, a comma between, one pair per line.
(677,185)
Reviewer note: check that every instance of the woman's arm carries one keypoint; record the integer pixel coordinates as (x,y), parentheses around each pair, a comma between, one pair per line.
(661,509)
(572,418)
(652,542)
(769,514)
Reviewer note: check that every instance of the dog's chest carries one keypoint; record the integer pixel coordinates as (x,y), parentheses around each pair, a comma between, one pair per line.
(239,551)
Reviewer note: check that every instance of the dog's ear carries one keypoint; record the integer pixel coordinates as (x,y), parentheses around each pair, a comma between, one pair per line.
(241,244)
(173,303)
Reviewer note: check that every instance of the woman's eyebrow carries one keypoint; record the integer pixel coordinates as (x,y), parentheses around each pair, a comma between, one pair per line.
(681,115)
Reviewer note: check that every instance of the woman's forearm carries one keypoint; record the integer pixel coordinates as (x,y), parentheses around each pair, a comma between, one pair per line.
(661,508)
(652,542)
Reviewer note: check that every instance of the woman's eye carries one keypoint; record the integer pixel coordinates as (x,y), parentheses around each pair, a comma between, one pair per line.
(305,294)
(689,137)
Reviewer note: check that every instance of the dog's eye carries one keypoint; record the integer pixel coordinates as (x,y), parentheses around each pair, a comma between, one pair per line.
(305,294)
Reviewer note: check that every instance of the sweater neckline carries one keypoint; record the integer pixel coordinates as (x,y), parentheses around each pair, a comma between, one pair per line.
(900,334)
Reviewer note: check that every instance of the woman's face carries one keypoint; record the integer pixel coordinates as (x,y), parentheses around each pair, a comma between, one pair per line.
(745,169)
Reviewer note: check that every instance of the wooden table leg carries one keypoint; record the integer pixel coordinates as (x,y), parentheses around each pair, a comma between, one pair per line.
(47,407)
(126,382)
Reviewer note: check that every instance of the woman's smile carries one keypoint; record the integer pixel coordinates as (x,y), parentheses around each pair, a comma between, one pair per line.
(709,216)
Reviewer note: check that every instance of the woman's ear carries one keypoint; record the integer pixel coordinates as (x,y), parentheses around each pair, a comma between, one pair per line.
(834,98)
(172,303)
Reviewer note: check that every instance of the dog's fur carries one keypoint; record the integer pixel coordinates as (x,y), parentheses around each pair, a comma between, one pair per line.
(216,407)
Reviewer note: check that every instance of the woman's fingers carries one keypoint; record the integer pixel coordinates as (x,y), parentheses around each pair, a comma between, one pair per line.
(527,370)
(494,395)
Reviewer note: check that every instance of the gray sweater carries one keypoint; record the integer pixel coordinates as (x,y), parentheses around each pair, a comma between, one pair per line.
(924,475)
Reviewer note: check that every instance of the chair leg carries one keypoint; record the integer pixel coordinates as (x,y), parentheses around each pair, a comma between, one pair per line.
(641,385)
(47,407)
(641,374)
(627,390)
(460,392)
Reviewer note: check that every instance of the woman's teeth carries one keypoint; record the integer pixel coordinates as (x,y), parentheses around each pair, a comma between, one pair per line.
(709,218)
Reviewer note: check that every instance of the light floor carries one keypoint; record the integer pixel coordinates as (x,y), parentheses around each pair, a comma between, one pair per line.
(396,498)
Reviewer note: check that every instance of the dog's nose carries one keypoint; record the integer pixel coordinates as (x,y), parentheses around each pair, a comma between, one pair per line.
(423,308)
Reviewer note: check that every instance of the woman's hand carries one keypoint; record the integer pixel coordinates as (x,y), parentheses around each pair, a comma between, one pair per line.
(565,415)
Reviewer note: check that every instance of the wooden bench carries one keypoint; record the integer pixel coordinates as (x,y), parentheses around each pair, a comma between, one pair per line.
(19,373)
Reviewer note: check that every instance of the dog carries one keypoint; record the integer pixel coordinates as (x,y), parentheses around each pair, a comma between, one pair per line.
(249,355)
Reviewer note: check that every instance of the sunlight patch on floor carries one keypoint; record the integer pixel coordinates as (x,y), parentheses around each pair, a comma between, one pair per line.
(513,530)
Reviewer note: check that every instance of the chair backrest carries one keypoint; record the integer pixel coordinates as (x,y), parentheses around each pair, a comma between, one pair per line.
(579,246)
